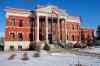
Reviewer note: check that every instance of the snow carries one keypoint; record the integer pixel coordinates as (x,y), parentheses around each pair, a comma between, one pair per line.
(47,59)
(93,50)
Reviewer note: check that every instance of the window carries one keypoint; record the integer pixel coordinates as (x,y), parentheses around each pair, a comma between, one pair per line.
(21,23)
(31,36)
(82,36)
(19,47)
(73,27)
(20,36)
(67,37)
(77,27)
(12,21)
(73,38)
(12,36)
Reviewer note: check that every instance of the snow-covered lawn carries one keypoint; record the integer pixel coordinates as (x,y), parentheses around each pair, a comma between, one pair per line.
(47,59)
(93,50)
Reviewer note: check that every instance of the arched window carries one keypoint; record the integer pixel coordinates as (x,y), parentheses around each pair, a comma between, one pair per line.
(20,36)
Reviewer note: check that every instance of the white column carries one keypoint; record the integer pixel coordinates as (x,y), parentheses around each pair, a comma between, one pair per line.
(58,30)
(46,21)
(37,29)
(65,31)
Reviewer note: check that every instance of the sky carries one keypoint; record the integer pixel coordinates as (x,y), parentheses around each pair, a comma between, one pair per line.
(89,10)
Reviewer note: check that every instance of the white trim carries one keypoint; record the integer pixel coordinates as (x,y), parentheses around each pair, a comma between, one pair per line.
(42,14)
(16,27)
(49,15)
(63,17)
(12,32)
(74,21)
(18,14)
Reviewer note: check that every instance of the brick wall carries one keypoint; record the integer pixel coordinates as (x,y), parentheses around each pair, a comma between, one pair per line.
(73,31)
(86,34)
(17,29)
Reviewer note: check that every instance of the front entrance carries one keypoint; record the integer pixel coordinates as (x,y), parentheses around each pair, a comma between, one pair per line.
(42,28)
(52,27)
(41,37)
(31,42)
(50,38)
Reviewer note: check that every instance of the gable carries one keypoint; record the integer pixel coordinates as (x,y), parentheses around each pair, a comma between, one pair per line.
(52,10)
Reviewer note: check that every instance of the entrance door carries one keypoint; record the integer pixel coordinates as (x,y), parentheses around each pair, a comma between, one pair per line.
(31,41)
(42,28)
(52,21)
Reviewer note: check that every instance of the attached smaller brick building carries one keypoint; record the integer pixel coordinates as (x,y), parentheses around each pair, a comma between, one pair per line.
(87,34)
(73,29)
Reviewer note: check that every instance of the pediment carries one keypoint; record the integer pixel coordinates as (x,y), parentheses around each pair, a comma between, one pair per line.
(50,9)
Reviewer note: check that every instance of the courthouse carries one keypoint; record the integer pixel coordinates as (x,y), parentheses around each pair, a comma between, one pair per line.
(26,28)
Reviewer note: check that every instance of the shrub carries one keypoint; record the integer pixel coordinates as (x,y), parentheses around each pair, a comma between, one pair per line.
(46,47)
(37,54)
(11,47)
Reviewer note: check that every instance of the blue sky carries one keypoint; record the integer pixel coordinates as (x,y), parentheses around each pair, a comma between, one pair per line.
(89,10)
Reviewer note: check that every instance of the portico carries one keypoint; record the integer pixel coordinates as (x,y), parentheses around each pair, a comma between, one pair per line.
(50,24)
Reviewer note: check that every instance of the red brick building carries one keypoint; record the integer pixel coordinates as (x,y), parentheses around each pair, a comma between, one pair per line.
(17,28)
(87,34)
(73,29)
(27,28)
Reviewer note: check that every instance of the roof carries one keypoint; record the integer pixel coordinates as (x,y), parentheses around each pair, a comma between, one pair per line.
(86,29)
(17,10)
(50,8)
(73,19)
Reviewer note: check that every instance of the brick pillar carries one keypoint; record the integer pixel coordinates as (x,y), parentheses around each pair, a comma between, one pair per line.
(46,21)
